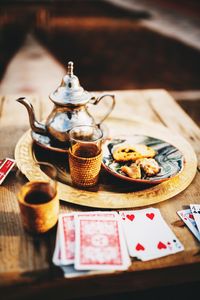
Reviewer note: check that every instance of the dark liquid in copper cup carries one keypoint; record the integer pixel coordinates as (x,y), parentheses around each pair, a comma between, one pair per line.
(39,193)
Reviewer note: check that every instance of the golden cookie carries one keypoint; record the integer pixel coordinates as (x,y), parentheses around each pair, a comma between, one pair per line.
(145,151)
(127,152)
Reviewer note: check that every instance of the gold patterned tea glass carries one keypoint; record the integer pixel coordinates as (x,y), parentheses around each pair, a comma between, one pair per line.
(85,154)
(38,199)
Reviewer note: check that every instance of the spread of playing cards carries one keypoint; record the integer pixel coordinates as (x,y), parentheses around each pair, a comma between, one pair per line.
(191,217)
(103,240)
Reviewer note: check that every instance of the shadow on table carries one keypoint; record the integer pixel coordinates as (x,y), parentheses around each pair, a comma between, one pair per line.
(182,292)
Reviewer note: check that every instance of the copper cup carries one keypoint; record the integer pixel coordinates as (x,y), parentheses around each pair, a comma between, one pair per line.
(38,201)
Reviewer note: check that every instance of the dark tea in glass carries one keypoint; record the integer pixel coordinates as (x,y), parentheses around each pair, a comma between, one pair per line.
(38,199)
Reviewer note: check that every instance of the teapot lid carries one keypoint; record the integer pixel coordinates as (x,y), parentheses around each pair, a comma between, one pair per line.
(70,91)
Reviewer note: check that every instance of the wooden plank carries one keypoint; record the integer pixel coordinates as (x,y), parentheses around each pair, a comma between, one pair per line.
(21,252)
(13,113)
(192,108)
(1,104)
(129,105)
(14,122)
(191,95)
(100,285)
(132,105)
(171,114)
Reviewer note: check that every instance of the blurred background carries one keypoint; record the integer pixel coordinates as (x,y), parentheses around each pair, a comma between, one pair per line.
(115,45)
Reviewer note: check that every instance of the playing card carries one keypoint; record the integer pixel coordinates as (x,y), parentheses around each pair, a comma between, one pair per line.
(5,168)
(187,216)
(70,272)
(67,238)
(104,214)
(67,233)
(57,251)
(147,234)
(195,208)
(100,244)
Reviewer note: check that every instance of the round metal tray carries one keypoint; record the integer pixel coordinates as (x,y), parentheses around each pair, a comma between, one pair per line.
(111,192)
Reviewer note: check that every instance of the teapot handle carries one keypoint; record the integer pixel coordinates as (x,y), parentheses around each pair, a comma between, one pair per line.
(97,100)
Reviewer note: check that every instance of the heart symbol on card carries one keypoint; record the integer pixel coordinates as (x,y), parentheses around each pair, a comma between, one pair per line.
(191,216)
(161,246)
(150,216)
(130,217)
(139,247)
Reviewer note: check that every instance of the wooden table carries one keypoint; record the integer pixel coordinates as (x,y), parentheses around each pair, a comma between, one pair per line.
(25,261)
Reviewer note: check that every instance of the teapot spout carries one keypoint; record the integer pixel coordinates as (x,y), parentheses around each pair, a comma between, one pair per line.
(35,125)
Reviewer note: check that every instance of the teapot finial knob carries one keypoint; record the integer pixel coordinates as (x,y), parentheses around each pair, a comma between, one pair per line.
(70,68)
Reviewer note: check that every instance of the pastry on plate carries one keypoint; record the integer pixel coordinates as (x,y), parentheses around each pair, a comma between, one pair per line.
(148,165)
(128,152)
(132,171)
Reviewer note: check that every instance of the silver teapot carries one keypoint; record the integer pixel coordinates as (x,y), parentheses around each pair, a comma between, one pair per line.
(69,110)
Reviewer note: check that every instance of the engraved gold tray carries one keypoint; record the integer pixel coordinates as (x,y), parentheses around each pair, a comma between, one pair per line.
(111,192)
